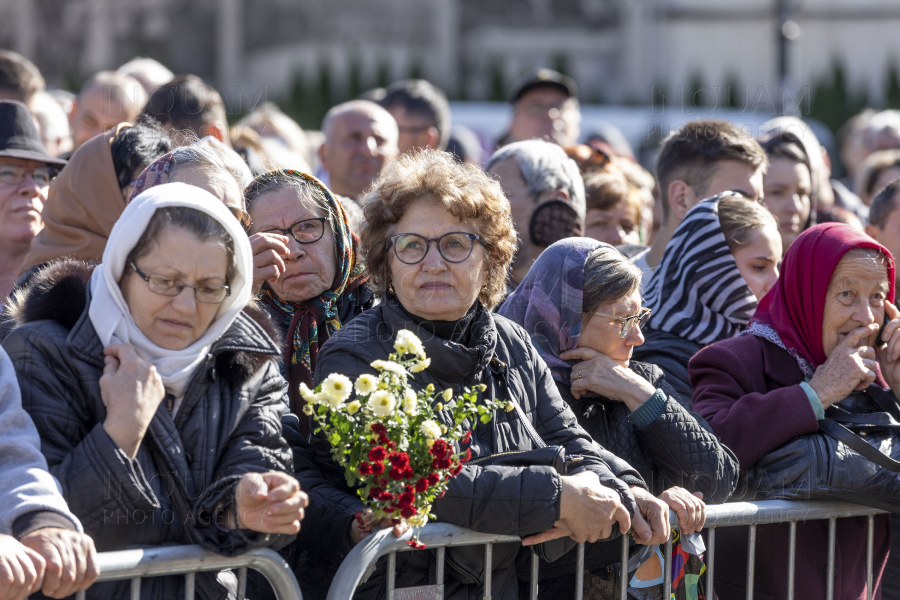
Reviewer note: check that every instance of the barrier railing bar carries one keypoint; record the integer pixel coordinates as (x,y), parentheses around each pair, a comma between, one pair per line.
(579,572)
(80,595)
(441,557)
(136,588)
(792,549)
(242,582)
(751,560)
(437,535)
(488,571)
(710,560)
(870,540)
(535,564)
(190,581)
(623,587)
(391,575)
(667,573)
(829,576)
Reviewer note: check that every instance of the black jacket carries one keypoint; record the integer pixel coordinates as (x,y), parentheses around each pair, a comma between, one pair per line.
(506,500)
(676,448)
(671,353)
(229,423)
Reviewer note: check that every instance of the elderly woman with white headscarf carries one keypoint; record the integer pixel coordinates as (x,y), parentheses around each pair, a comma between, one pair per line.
(156,394)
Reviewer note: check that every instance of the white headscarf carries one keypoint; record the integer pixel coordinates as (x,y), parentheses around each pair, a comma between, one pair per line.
(110,314)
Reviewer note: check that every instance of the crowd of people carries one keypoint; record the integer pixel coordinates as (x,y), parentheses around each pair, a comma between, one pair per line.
(170,283)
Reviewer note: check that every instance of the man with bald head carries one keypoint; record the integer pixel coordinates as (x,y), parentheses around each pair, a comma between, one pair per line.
(360,137)
(105,100)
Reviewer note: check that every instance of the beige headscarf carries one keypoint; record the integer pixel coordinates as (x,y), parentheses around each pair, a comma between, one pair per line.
(83,204)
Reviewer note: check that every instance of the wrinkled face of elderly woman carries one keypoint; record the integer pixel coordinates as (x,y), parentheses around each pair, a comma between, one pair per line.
(856,295)
(603,333)
(175,322)
(436,288)
(310,268)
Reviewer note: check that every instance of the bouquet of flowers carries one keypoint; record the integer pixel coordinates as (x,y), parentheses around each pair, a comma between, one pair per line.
(395,451)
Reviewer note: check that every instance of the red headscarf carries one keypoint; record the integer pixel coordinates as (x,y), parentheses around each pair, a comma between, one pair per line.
(795,307)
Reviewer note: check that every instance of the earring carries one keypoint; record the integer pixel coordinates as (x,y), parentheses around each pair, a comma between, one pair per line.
(391,287)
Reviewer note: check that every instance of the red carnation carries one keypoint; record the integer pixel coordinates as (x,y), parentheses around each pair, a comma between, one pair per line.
(434,479)
(467,437)
(408,512)
(377,468)
(417,545)
(382,482)
(455,470)
(467,456)
(391,445)
(409,473)
(379,429)
(406,499)
(421,484)
(396,474)
(374,493)
(365,469)
(377,454)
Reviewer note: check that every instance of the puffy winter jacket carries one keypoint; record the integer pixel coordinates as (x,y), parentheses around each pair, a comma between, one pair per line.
(229,423)
(507,500)
(668,446)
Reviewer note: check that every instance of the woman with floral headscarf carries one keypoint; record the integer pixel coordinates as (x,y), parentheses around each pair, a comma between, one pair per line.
(306,271)
(581,305)
(812,342)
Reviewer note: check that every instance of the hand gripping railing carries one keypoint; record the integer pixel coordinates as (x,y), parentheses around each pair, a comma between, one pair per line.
(190,560)
(439,536)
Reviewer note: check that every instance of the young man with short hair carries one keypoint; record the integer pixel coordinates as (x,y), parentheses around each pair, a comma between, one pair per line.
(700,160)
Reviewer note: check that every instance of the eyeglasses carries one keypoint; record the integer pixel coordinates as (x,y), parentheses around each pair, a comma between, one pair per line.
(554,111)
(306,231)
(628,323)
(15,175)
(167,286)
(455,246)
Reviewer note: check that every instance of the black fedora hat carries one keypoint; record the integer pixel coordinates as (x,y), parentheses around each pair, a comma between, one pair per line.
(19,137)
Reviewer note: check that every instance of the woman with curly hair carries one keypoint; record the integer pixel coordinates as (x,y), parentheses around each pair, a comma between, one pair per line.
(438,240)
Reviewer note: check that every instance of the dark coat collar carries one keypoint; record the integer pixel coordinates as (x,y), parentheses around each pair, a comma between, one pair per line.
(450,362)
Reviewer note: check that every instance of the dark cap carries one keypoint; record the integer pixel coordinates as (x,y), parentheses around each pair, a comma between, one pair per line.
(542,77)
(19,137)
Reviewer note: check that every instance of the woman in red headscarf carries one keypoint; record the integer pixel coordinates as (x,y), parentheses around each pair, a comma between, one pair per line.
(811,343)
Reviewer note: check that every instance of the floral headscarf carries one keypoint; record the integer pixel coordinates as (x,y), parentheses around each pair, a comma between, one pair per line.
(548,302)
(311,323)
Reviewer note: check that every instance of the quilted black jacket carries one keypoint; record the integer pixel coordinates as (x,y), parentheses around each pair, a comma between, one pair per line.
(677,448)
(514,501)
(671,353)
(229,423)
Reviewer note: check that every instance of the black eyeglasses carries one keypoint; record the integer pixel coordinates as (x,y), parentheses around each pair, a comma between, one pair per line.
(628,323)
(15,174)
(455,246)
(167,286)
(306,231)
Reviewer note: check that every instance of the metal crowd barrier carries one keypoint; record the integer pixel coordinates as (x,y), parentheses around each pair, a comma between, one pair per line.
(190,560)
(439,536)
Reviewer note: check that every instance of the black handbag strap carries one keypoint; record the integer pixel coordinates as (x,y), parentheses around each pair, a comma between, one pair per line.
(501,369)
(857,444)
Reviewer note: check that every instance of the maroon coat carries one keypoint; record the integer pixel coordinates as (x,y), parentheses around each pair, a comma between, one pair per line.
(748,389)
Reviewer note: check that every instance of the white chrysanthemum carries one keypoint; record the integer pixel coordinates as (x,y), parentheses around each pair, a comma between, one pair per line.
(382,403)
(337,388)
(410,403)
(366,384)
(408,343)
(389,365)
(448,395)
(420,366)
(308,395)
(431,429)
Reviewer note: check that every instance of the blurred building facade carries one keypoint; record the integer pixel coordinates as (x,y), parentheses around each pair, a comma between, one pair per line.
(618,50)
